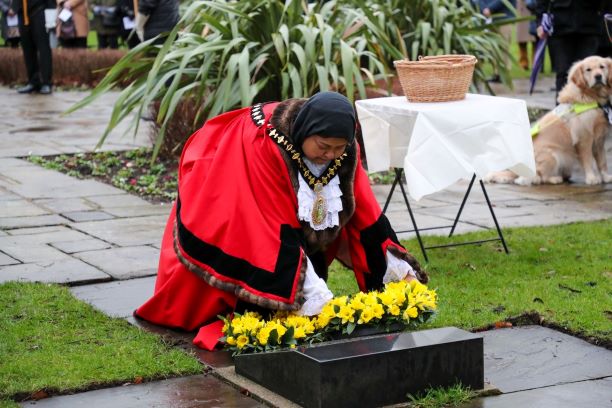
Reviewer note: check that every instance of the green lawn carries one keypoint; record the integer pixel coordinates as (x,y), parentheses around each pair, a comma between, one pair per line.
(54,343)
(563,273)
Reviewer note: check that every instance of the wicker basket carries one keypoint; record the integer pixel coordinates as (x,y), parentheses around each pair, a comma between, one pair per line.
(438,78)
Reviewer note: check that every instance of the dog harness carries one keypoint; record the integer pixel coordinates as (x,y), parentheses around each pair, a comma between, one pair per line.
(566,110)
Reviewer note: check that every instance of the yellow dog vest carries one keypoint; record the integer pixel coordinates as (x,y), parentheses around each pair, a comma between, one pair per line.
(564,110)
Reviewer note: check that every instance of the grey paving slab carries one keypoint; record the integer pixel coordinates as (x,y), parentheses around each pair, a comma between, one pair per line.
(11,162)
(6,195)
(66,270)
(36,230)
(123,263)
(81,216)
(139,210)
(39,220)
(118,298)
(20,208)
(37,123)
(584,394)
(70,247)
(546,215)
(41,235)
(36,182)
(523,358)
(7,260)
(203,391)
(62,205)
(126,231)
(119,199)
(28,252)
(541,97)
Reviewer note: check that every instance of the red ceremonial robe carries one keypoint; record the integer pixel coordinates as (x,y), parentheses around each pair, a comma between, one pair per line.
(234,233)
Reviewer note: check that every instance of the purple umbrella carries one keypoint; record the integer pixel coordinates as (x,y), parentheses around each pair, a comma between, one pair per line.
(538,59)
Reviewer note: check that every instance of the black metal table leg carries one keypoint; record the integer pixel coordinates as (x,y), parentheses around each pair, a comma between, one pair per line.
(499,232)
(467,193)
(416,229)
(398,177)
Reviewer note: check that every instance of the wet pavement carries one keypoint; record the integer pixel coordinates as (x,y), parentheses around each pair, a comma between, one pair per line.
(105,244)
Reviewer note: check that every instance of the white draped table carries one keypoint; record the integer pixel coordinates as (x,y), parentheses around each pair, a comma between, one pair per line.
(437,144)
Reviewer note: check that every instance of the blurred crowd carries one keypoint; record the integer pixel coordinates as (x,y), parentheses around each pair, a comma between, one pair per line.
(40,25)
(115,22)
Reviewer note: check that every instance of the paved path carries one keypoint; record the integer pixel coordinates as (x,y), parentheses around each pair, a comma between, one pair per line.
(105,243)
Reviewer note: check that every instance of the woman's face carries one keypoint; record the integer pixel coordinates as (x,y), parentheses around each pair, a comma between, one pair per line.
(321,150)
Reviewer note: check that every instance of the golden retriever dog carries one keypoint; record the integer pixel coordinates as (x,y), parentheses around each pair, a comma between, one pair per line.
(575,131)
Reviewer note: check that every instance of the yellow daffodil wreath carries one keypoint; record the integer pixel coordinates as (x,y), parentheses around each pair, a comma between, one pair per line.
(400,304)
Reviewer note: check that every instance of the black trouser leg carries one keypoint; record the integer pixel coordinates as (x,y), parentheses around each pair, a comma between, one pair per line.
(43,48)
(113,42)
(102,41)
(30,57)
(567,49)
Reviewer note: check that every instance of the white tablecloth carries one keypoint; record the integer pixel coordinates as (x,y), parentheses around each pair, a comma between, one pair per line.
(439,143)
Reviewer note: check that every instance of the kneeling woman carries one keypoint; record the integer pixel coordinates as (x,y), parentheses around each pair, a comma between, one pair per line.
(268,197)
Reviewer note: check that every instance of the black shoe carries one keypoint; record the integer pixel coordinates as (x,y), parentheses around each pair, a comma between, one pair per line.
(29,88)
(45,90)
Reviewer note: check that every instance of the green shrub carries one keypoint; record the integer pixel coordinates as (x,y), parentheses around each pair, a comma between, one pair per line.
(224,55)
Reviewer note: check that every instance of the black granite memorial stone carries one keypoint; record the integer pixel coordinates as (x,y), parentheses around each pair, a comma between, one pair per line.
(369,372)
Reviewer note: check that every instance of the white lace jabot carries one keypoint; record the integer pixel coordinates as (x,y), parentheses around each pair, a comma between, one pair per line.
(331,193)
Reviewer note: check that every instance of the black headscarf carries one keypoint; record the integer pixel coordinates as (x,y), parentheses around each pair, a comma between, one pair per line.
(326,114)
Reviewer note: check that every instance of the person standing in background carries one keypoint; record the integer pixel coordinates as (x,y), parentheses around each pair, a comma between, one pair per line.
(605,41)
(523,36)
(577,28)
(106,22)
(155,17)
(78,9)
(498,11)
(35,44)
(126,11)
(9,24)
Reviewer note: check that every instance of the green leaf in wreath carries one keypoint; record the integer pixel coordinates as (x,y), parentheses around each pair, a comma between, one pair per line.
(273,338)
(288,336)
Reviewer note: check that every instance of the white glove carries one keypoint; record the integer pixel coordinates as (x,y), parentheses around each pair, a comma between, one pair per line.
(316,292)
(141,20)
(397,269)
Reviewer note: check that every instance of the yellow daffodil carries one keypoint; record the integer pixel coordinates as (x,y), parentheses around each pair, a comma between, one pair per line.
(263,335)
(346,314)
(394,310)
(410,313)
(365,316)
(397,299)
(242,341)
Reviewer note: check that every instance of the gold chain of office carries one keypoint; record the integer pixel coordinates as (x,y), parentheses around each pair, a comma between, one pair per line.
(313,182)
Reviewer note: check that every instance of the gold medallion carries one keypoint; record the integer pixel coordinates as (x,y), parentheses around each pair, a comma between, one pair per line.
(319,206)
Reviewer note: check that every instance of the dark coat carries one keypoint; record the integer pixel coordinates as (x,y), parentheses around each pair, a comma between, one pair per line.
(164,14)
(33,5)
(5,5)
(573,16)
(106,19)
